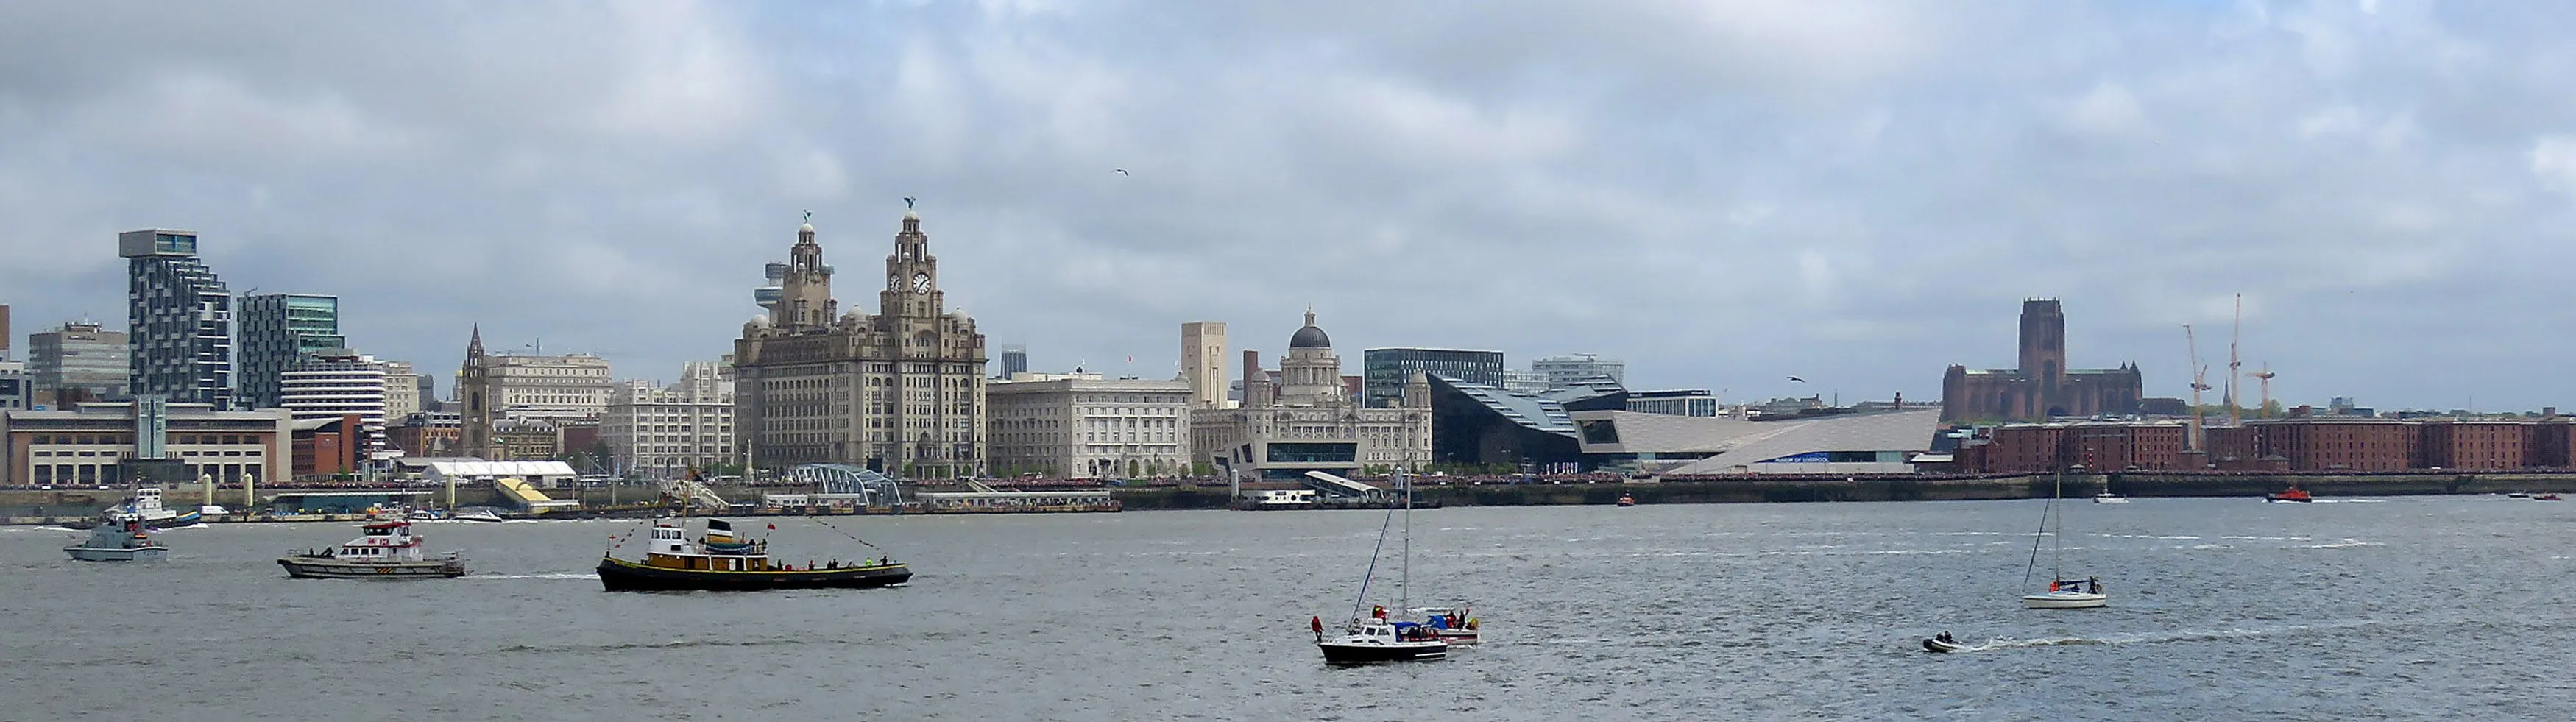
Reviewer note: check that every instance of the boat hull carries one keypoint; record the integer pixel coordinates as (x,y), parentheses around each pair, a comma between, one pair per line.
(1372,653)
(1459,636)
(2288,500)
(619,575)
(2065,600)
(115,554)
(1935,645)
(327,568)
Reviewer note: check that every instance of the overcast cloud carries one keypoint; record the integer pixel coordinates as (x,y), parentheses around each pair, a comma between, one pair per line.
(1721,193)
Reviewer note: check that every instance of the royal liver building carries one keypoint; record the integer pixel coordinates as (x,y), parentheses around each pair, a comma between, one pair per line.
(901,391)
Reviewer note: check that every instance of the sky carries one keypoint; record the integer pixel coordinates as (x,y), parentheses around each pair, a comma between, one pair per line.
(1722,193)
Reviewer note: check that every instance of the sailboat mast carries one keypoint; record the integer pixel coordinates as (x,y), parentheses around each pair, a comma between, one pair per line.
(2057,536)
(1404,586)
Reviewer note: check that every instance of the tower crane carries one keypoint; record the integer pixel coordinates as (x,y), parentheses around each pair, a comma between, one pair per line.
(2199,383)
(2235,414)
(2265,377)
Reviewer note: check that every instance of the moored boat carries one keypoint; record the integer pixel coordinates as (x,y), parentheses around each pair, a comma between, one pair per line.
(1626,500)
(385,549)
(2294,494)
(2109,498)
(475,514)
(2544,497)
(146,507)
(719,561)
(118,541)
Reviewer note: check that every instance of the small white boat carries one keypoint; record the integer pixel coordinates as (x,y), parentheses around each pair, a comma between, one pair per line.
(121,540)
(477,514)
(1454,625)
(1938,644)
(2066,600)
(146,506)
(387,550)
(2109,498)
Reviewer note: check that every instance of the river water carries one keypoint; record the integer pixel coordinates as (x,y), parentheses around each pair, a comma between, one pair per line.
(2397,608)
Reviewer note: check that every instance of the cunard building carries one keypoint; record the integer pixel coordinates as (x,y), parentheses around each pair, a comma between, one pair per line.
(901,391)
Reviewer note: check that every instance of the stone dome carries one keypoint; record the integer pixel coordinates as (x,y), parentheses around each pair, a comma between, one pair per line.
(1310,336)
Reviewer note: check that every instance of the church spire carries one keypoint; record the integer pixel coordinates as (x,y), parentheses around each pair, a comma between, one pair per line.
(474,347)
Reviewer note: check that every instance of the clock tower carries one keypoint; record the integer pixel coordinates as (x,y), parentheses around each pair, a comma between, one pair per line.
(900,391)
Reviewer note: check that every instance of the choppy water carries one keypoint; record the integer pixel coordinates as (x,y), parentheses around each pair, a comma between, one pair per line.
(2405,608)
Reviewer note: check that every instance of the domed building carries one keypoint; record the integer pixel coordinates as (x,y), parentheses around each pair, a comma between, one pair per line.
(1310,421)
(900,391)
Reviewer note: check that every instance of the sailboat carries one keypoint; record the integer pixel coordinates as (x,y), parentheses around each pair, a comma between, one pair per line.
(2062,593)
(1372,637)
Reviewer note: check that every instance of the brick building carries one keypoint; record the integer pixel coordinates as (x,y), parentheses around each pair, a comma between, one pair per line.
(2478,445)
(2042,388)
(2109,446)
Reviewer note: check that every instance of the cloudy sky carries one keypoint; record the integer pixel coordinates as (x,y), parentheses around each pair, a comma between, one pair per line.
(1721,193)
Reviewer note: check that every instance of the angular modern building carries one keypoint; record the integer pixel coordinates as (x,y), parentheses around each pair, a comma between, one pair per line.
(79,361)
(1857,443)
(278,330)
(1384,371)
(180,318)
(2042,388)
(1675,402)
(901,391)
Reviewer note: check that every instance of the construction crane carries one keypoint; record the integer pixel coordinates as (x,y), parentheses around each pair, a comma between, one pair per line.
(2265,376)
(2235,414)
(2199,383)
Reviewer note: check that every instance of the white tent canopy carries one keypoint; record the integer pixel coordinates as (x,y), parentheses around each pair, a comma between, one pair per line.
(533,471)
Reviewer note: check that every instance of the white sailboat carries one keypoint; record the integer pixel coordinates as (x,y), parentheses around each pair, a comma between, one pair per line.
(2062,593)
(1374,638)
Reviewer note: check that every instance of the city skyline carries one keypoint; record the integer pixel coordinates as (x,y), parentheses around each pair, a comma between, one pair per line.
(1855,198)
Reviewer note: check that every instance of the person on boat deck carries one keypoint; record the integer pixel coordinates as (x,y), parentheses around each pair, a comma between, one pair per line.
(1377,611)
(1318,624)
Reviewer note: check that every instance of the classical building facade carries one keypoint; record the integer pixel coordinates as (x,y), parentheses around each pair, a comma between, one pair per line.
(2043,388)
(901,391)
(1310,420)
(492,388)
(1087,427)
(665,431)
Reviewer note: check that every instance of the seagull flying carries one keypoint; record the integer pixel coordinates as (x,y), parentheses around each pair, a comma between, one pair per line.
(1123,171)
(1799,380)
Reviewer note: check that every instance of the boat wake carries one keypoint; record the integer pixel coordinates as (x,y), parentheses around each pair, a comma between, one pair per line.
(2182,636)
(587,576)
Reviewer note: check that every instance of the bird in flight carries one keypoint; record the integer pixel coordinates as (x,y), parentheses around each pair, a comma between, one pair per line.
(1799,380)
(1123,171)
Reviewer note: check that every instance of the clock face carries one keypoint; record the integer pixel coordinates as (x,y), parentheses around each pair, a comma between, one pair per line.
(920,283)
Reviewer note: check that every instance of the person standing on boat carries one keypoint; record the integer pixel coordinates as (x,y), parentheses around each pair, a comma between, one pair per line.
(1318,624)
(1377,611)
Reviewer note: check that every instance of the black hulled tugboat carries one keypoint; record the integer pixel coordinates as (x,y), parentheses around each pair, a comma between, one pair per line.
(719,561)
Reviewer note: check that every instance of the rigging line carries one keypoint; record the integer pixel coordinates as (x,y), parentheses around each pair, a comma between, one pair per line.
(855,538)
(2035,536)
(1372,567)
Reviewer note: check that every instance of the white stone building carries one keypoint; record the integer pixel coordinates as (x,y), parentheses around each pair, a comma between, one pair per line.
(1082,426)
(664,431)
(1309,420)
(402,390)
(492,388)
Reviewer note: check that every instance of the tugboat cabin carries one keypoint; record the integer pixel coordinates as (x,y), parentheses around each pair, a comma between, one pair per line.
(718,551)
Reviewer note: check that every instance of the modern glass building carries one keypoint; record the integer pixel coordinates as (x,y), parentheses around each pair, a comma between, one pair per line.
(1570,369)
(1015,361)
(1383,370)
(277,330)
(78,356)
(180,319)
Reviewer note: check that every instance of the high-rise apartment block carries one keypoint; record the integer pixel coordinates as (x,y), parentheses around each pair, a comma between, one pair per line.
(1571,369)
(1015,361)
(665,431)
(402,391)
(899,391)
(1203,363)
(332,383)
(180,318)
(77,362)
(278,330)
(1087,427)
(1384,371)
